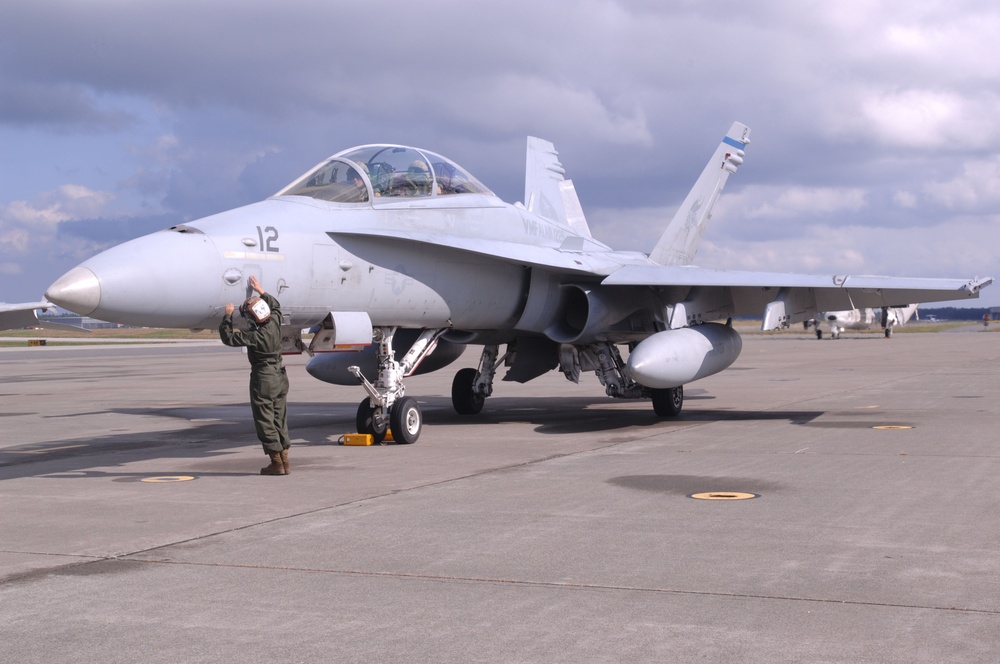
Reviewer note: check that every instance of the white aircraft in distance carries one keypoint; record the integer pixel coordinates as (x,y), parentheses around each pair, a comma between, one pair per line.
(401,258)
(863,319)
(16,316)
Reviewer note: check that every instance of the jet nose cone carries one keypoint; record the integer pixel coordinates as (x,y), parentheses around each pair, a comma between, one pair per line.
(78,291)
(169,278)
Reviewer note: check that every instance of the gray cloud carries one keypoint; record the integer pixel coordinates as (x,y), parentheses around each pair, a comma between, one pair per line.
(61,108)
(870,119)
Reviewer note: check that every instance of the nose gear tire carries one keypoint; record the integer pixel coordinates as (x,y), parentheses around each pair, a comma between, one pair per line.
(405,421)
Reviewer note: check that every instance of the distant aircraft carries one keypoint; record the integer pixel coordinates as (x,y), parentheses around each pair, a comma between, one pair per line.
(24,315)
(401,258)
(863,319)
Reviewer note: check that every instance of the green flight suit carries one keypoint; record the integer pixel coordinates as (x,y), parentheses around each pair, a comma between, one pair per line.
(268,381)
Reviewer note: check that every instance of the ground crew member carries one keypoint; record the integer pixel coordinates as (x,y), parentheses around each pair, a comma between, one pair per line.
(268,381)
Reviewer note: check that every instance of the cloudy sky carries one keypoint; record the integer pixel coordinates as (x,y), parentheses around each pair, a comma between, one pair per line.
(875,124)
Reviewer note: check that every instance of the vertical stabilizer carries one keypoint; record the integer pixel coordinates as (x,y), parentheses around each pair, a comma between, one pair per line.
(546,192)
(680,240)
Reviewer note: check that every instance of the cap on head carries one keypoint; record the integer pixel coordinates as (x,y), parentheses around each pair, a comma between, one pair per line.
(255,309)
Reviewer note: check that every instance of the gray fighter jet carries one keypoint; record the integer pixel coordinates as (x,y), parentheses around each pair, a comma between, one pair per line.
(396,259)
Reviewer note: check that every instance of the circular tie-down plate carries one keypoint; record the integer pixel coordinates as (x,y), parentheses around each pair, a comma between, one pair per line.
(724,495)
(168,478)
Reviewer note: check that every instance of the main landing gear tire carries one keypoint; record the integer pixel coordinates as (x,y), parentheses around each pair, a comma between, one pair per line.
(405,421)
(463,398)
(366,421)
(668,402)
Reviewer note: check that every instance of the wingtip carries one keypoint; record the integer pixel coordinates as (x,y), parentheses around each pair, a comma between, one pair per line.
(978,284)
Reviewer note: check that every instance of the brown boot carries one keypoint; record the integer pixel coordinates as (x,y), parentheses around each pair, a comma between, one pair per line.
(284,461)
(276,467)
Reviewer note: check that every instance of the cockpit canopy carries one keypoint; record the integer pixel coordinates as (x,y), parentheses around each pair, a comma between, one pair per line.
(384,171)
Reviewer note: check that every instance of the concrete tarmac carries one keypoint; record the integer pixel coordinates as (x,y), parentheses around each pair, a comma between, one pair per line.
(558,526)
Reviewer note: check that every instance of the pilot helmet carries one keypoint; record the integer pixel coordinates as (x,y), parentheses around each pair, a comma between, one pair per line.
(418,172)
(256,310)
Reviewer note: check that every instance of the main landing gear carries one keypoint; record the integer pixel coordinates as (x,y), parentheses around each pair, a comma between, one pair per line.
(668,402)
(471,387)
(386,407)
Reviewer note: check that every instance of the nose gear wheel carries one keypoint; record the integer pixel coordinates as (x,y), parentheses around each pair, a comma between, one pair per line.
(386,407)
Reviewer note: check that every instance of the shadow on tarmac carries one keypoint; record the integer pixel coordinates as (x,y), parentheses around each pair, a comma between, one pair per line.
(219,429)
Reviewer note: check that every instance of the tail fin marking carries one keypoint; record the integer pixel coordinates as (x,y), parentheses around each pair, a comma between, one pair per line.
(680,240)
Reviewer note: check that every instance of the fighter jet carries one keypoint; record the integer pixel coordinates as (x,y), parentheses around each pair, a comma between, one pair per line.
(22,315)
(863,319)
(396,259)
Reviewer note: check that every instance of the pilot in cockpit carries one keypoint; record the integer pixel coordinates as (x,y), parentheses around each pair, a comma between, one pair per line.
(356,192)
(418,180)
(355,179)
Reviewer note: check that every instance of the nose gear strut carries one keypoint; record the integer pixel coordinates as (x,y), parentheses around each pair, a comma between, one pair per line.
(387,407)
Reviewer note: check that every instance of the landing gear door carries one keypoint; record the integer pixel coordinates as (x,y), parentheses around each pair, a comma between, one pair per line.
(291,341)
(342,331)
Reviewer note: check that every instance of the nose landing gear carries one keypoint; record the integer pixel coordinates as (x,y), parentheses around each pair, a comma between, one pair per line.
(386,408)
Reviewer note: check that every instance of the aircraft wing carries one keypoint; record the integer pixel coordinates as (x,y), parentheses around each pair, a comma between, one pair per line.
(788,297)
(702,293)
(16,316)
